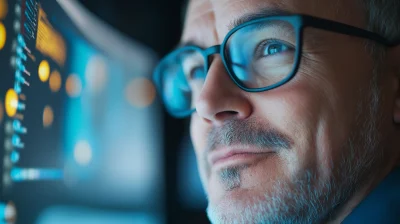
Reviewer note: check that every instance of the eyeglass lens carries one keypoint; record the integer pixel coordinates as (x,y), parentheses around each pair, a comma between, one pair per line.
(258,55)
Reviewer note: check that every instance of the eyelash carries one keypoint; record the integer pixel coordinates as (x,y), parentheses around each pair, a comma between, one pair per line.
(259,51)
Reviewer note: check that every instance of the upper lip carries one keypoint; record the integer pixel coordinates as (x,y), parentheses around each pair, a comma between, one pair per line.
(222,153)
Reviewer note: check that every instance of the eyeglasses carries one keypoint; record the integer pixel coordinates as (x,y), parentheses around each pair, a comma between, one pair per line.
(259,55)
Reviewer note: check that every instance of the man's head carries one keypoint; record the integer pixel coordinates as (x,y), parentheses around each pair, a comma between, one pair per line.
(299,153)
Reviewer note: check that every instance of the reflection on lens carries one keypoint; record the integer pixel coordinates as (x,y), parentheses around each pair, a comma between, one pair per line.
(262,54)
(182,77)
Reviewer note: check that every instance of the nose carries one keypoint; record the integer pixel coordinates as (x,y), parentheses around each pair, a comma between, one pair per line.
(220,99)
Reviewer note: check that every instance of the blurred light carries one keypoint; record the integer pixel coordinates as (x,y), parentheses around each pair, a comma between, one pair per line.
(22,96)
(73,86)
(83,153)
(32,174)
(17,9)
(8,145)
(19,116)
(6,179)
(44,71)
(3,34)
(8,212)
(14,45)
(50,43)
(29,174)
(70,180)
(16,141)
(55,81)
(14,156)
(1,111)
(13,61)
(140,92)
(48,116)
(17,127)
(7,162)
(8,128)
(82,215)
(11,103)
(17,25)
(96,74)
(3,9)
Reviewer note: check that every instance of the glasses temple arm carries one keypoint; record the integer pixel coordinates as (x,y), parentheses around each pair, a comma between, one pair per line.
(346,29)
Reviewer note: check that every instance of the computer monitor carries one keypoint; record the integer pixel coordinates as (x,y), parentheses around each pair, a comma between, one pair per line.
(79,120)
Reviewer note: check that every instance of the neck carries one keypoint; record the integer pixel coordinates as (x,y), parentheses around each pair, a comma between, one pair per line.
(361,193)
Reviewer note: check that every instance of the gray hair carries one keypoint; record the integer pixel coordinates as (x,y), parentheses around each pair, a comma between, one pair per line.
(383,17)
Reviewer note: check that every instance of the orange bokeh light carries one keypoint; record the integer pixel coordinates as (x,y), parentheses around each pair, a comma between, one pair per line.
(3,9)
(48,116)
(140,92)
(73,86)
(55,81)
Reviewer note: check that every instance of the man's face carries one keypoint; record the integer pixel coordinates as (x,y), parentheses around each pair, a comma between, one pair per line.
(303,148)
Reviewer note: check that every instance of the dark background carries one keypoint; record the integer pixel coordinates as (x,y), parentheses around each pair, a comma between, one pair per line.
(156,24)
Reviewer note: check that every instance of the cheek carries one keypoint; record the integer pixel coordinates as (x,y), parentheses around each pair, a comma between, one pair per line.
(300,110)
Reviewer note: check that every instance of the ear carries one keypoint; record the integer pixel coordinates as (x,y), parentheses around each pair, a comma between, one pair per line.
(393,60)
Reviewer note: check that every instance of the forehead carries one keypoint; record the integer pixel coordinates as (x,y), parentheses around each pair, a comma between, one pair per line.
(208,21)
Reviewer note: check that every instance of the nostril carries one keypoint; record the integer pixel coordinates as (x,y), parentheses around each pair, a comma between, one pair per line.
(226,115)
(231,112)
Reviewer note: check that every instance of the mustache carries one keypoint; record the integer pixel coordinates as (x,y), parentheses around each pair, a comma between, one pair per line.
(241,132)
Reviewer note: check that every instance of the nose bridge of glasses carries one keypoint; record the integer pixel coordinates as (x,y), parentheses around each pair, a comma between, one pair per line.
(212,50)
(216,49)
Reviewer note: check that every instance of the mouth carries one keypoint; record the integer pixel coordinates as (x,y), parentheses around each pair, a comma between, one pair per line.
(230,156)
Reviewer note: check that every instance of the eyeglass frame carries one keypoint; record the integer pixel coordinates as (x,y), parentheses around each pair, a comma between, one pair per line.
(298,21)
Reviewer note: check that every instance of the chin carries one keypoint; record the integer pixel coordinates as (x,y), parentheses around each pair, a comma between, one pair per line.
(236,204)
(233,210)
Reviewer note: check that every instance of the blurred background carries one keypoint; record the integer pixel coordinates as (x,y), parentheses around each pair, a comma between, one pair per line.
(83,135)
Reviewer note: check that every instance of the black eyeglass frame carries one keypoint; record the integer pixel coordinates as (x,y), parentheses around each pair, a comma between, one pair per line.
(298,21)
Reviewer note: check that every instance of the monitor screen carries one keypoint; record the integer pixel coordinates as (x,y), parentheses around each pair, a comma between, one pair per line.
(80,124)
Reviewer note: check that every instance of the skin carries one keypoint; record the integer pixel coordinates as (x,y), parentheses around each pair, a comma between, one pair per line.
(327,111)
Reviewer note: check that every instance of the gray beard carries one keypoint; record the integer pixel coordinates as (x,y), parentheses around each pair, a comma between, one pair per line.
(307,199)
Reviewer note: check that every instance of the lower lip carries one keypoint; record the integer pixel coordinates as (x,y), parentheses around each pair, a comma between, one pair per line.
(241,158)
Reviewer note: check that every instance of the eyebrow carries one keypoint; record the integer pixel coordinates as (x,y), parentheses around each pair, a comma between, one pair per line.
(264,12)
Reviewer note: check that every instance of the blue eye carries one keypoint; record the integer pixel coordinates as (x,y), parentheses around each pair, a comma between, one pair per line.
(271,47)
(197,73)
(274,48)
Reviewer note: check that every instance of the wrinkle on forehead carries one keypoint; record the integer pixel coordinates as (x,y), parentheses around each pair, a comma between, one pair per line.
(199,9)
(228,10)
(208,20)
(201,23)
